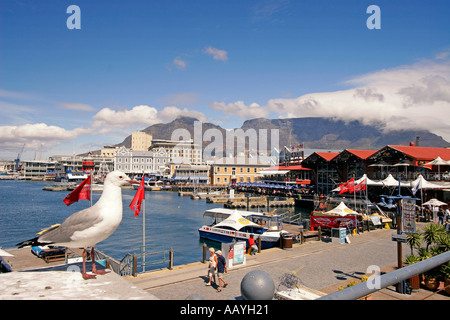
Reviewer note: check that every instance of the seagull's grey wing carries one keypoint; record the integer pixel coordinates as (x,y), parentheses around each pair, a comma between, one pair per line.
(78,221)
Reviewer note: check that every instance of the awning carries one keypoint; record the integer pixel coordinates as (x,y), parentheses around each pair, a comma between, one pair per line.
(273,172)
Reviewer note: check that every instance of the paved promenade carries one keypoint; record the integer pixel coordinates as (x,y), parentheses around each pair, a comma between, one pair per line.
(319,265)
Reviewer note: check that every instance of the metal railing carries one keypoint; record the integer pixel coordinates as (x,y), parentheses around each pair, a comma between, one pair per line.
(391,278)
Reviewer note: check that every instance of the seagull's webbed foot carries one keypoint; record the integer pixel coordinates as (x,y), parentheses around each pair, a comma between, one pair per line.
(88,276)
(100,271)
(94,269)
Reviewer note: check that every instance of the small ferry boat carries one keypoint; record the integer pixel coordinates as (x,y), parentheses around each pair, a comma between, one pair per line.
(236,225)
(152,185)
(66,182)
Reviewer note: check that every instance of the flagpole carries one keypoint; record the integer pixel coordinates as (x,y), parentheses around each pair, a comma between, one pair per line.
(143,236)
(90,190)
(354,191)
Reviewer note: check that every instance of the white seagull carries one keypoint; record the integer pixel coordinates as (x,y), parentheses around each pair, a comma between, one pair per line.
(85,228)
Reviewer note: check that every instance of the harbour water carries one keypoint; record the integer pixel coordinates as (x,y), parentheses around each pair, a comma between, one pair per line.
(171,221)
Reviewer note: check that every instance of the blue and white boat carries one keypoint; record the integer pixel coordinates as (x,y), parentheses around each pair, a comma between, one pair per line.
(235,225)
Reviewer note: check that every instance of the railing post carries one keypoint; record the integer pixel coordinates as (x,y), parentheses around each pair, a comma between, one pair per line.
(319,234)
(171,259)
(134,270)
(205,247)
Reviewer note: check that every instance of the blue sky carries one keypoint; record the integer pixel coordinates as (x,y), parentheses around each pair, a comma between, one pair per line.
(135,63)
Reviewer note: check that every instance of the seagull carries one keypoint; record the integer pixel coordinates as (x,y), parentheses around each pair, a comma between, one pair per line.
(85,228)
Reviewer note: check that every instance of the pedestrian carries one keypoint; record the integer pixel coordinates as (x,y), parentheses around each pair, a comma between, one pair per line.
(440,215)
(212,266)
(221,269)
(252,245)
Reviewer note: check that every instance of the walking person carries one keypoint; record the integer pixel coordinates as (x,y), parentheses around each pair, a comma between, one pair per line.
(440,215)
(221,269)
(212,266)
(252,245)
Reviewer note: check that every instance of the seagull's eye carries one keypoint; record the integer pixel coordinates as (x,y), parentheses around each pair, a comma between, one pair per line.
(120,177)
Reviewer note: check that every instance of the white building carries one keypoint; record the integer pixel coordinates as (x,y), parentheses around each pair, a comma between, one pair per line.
(141,162)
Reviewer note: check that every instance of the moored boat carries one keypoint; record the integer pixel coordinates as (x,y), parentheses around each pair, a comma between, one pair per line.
(238,225)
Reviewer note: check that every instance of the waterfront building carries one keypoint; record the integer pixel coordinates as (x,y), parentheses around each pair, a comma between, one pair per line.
(141,141)
(108,152)
(351,163)
(7,166)
(233,170)
(288,175)
(180,151)
(142,162)
(38,169)
(325,173)
(192,174)
(407,162)
(91,162)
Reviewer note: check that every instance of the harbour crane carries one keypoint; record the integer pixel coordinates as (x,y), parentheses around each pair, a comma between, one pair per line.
(18,158)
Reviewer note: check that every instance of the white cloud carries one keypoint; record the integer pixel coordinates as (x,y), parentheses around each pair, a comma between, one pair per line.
(33,135)
(170,113)
(241,110)
(179,63)
(217,54)
(107,120)
(76,106)
(415,96)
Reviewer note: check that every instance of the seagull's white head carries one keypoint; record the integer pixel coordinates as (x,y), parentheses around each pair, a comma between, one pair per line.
(119,178)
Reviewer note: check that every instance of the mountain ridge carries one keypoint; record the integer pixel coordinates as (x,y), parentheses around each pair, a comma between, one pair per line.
(312,132)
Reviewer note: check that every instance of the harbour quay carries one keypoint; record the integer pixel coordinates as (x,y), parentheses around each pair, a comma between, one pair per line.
(319,266)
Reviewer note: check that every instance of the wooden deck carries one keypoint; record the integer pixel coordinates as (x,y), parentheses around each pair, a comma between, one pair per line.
(24,259)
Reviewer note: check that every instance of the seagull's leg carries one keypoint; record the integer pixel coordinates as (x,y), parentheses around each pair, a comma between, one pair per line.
(94,269)
(85,275)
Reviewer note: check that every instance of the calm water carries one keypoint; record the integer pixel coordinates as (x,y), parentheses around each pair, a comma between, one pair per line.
(171,221)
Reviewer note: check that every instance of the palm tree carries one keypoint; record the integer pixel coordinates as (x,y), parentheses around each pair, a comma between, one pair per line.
(414,240)
(432,232)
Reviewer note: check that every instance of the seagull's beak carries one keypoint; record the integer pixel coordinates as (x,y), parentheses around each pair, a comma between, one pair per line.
(132,181)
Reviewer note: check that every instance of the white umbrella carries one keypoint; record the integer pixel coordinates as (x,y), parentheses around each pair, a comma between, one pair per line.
(435,203)
(438,162)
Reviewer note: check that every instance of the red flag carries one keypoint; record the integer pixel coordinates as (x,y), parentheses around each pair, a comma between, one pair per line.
(347,186)
(361,186)
(82,192)
(135,204)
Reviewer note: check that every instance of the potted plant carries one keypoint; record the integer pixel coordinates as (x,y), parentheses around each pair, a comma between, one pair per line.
(432,278)
(445,271)
(431,233)
(414,280)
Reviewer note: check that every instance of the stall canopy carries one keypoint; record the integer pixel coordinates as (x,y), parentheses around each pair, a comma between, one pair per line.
(236,221)
(390,181)
(421,183)
(342,210)
(368,181)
